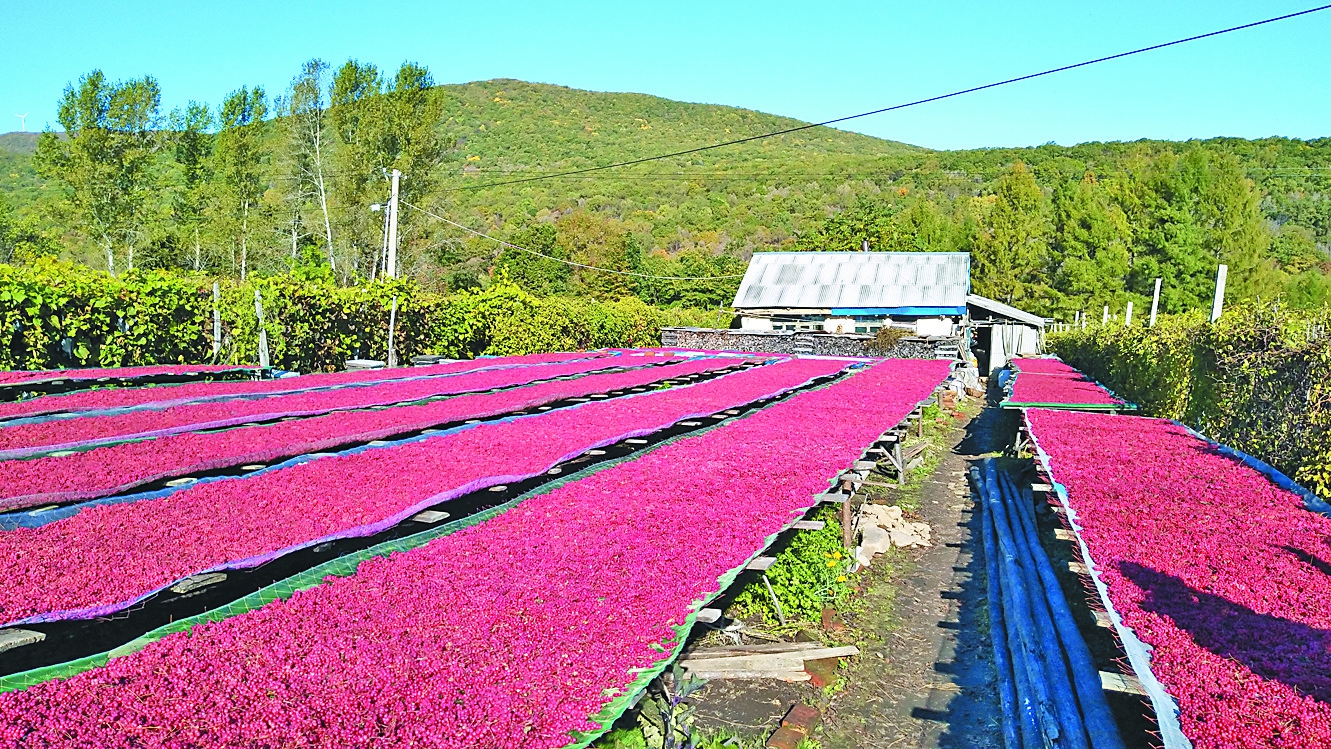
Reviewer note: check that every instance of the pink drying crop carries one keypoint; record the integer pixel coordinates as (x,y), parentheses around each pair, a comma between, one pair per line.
(1065,389)
(505,635)
(8,377)
(1224,574)
(198,391)
(28,439)
(107,470)
(1043,365)
(106,556)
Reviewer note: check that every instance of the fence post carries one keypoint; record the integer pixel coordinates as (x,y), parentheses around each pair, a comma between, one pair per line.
(1155,302)
(1218,304)
(263,333)
(217,321)
(392,329)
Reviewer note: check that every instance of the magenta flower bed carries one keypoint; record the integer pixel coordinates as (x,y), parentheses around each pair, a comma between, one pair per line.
(11,377)
(509,634)
(1224,574)
(161,395)
(108,470)
(29,439)
(107,556)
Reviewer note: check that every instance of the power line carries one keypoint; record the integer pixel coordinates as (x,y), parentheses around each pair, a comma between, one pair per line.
(895,107)
(562,260)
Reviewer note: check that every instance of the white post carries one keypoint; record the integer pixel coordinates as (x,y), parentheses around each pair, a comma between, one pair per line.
(1218,304)
(1127,318)
(263,333)
(1155,302)
(217,321)
(392,328)
(1104,319)
(392,226)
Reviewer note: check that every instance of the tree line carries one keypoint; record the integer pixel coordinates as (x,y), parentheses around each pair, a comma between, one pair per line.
(256,182)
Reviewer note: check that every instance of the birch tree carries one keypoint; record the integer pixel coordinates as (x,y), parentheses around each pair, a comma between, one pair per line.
(104,158)
(238,157)
(306,109)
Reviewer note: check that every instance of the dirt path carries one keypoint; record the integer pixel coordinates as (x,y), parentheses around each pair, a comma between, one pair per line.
(924,677)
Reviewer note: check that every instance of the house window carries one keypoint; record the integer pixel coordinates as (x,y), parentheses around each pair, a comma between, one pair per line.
(861,329)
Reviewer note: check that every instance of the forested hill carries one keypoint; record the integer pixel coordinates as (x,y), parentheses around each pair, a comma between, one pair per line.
(1054,229)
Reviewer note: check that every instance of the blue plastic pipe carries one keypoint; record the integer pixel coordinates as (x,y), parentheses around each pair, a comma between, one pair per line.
(1099,719)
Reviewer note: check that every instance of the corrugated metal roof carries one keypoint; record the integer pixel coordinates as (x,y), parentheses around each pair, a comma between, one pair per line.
(1004,310)
(823,280)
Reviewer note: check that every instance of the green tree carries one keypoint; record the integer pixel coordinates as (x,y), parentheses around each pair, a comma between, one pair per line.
(192,149)
(1010,258)
(238,162)
(1090,247)
(105,158)
(361,181)
(305,107)
(536,274)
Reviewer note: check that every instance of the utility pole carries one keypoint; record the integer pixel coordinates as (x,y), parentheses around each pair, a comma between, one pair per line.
(1218,304)
(1155,302)
(392,226)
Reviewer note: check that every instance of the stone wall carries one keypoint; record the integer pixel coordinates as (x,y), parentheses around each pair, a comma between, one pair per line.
(791,342)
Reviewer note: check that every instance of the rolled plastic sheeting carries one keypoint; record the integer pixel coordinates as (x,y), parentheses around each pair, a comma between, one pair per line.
(1047,660)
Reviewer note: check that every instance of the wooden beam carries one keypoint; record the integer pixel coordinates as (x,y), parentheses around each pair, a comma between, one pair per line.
(761,564)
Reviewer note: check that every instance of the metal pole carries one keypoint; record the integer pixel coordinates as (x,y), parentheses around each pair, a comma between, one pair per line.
(1218,304)
(263,333)
(1155,302)
(217,321)
(392,226)
(1127,318)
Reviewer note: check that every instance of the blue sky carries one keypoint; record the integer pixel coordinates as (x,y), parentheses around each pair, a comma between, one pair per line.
(812,61)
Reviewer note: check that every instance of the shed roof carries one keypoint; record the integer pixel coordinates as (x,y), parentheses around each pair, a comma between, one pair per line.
(827,280)
(998,309)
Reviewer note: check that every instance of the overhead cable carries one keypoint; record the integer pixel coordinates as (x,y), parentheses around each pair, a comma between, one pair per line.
(917,102)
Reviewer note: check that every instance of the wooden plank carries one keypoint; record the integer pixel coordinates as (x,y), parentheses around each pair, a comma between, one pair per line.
(768,662)
(1046,488)
(1103,619)
(429,516)
(710,616)
(830,498)
(766,647)
(1063,534)
(1077,568)
(17,638)
(864,465)
(789,676)
(761,564)
(809,525)
(1128,684)
(198,581)
(636,442)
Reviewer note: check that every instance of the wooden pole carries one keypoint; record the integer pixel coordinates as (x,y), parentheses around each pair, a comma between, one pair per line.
(263,332)
(1155,302)
(1218,304)
(392,329)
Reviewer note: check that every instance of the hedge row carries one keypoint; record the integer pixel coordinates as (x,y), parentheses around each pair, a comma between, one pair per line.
(1256,380)
(56,315)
